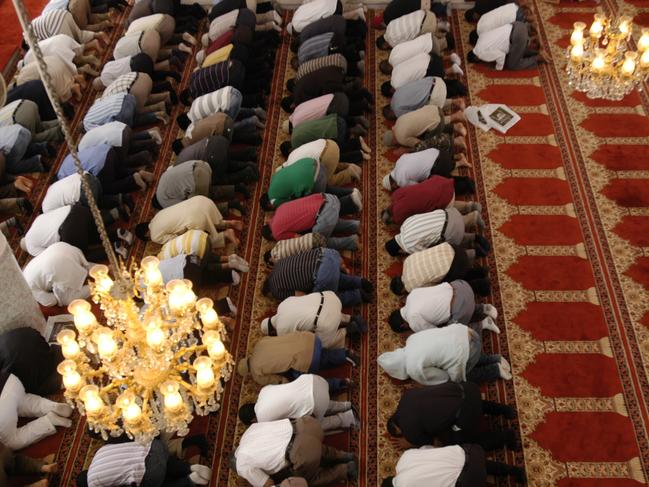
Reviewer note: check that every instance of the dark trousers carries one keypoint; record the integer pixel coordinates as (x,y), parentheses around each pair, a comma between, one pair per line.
(116,177)
(162,469)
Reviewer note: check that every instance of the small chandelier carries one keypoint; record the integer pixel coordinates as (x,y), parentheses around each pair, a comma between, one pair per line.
(149,367)
(600,62)
(158,356)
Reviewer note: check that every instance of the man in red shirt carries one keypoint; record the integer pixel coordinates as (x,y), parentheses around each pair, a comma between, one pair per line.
(317,213)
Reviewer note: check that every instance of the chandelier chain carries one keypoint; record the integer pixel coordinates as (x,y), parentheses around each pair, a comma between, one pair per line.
(32,41)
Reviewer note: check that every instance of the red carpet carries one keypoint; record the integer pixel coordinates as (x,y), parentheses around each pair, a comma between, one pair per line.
(11,33)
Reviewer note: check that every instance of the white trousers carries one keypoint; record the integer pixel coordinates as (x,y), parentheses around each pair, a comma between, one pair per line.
(14,403)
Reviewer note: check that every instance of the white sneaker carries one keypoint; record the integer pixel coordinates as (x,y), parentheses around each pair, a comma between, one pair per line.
(197,479)
(349,420)
(357,198)
(125,235)
(455,59)
(203,472)
(505,364)
(489,324)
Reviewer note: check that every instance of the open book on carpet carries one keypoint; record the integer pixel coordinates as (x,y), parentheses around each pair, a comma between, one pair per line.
(492,115)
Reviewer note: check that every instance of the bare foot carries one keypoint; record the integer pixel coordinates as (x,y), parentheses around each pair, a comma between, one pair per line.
(462,162)
(459,129)
(236,224)
(49,458)
(459,104)
(23,184)
(146,175)
(364,146)
(50,468)
(231,237)
(189,39)
(460,144)
(103,37)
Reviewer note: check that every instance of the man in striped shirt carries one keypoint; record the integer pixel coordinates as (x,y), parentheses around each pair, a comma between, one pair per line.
(444,262)
(412,25)
(293,246)
(314,271)
(59,21)
(25,113)
(319,213)
(326,44)
(132,463)
(120,107)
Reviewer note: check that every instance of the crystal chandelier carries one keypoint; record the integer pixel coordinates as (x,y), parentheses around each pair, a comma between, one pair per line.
(600,62)
(156,356)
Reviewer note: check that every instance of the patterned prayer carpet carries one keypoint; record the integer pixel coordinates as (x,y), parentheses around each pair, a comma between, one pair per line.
(566,205)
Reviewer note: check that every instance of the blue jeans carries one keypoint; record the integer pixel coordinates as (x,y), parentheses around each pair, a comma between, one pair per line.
(481,367)
(14,159)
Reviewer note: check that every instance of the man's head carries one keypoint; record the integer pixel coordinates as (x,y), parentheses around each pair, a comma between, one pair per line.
(183,121)
(392,247)
(385,67)
(388,183)
(473,37)
(247,413)
(481,287)
(177,146)
(471,15)
(264,202)
(386,89)
(142,231)
(156,204)
(185,97)
(397,287)
(388,138)
(397,323)
(287,104)
(266,232)
(450,41)
(285,148)
(242,367)
(463,185)
(388,113)
(382,44)
(97,83)
(472,58)
(393,427)
(268,257)
(386,216)
(387,482)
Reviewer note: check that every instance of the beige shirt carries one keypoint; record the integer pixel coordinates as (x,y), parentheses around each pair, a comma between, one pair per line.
(427,267)
(196,213)
(272,356)
(61,72)
(410,126)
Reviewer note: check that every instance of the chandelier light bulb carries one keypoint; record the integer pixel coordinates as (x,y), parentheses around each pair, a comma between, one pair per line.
(628,66)
(644,60)
(132,414)
(90,396)
(71,378)
(69,346)
(209,317)
(577,36)
(599,62)
(577,52)
(103,282)
(106,345)
(155,338)
(597,27)
(173,401)
(643,42)
(152,275)
(84,320)
(204,373)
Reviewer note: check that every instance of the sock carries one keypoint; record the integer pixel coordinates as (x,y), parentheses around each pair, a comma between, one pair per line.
(61,409)
(57,420)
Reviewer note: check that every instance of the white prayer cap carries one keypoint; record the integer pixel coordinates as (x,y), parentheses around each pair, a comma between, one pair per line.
(386,182)
(438,93)
(394,363)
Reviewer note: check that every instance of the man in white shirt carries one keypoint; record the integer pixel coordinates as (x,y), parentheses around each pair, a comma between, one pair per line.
(434,306)
(320,313)
(450,466)
(132,463)
(506,14)
(409,26)
(508,46)
(58,275)
(308,395)
(309,12)
(295,448)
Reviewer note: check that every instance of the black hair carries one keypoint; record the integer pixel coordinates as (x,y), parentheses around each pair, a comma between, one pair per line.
(455,88)
(392,247)
(177,146)
(470,15)
(287,104)
(268,257)
(285,148)
(473,37)
(396,286)
(387,482)
(393,427)
(247,413)
(387,90)
(464,185)
(266,232)
(472,58)
(183,121)
(481,287)
(141,230)
(459,265)
(186,97)
(264,202)
(142,63)
(397,323)
(154,201)
(265,290)
(290,85)
(450,41)
(381,43)
(388,113)
(385,67)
